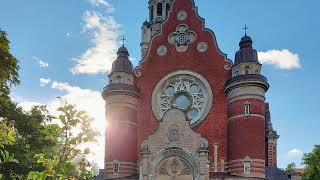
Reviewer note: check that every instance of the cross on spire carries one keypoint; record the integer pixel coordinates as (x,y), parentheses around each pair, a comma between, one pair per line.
(245,29)
(123,41)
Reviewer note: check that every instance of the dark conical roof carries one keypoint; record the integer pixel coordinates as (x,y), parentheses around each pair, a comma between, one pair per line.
(246,52)
(146,23)
(122,63)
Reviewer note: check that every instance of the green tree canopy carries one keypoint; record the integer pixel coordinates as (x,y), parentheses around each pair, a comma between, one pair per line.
(290,168)
(9,67)
(312,162)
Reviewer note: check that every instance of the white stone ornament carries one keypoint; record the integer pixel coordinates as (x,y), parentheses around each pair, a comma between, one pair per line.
(202,47)
(182,15)
(182,38)
(162,50)
(228,65)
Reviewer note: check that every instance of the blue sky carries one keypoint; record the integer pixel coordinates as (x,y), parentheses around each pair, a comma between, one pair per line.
(65,49)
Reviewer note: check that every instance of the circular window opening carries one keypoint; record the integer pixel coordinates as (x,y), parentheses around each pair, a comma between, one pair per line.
(194,88)
(170,91)
(193,113)
(182,101)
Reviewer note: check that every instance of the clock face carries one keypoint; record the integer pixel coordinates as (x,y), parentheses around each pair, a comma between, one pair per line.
(184,90)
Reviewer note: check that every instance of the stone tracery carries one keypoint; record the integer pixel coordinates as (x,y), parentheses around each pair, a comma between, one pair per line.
(185,92)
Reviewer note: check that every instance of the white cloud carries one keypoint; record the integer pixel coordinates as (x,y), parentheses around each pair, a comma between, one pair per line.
(41,62)
(104,32)
(282,59)
(44,81)
(294,153)
(103,3)
(27,105)
(292,156)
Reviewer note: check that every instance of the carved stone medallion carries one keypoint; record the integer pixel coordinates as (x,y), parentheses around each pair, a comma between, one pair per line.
(174,134)
(182,15)
(202,47)
(162,50)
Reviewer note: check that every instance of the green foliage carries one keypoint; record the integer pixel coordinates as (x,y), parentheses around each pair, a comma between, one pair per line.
(33,136)
(290,168)
(6,138)
(44,149)
(312,162)
(8,66)
(68,161)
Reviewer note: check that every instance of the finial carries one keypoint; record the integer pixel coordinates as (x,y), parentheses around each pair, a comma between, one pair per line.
(123,41)
(245,29)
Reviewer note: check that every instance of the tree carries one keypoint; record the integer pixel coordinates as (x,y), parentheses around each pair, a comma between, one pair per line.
(69,161)
(312,162)
(9,67)
(290,168)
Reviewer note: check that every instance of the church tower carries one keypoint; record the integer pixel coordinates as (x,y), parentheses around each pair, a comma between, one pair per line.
(121,114)
(158,14)
(246,114)
(271,140)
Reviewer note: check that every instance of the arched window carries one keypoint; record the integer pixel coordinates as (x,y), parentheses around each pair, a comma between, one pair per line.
(236,73)
(151,13)
(247,109)
(159,9)
(118,79)
(167,9)
(247,70)
(247,167)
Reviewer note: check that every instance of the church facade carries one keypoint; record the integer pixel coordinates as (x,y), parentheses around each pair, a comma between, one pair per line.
(187,112)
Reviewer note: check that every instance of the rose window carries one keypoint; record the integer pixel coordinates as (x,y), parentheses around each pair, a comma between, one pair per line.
(187,91)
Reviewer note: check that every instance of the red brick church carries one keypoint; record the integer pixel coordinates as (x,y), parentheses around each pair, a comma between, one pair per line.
(187,112)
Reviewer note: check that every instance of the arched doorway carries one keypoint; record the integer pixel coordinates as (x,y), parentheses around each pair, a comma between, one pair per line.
(174,168)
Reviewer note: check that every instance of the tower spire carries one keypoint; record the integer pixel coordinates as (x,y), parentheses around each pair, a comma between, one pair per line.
(123,41)
(245,29)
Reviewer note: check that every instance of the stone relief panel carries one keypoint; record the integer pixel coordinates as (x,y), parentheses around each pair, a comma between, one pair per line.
(174,151)
(174,167)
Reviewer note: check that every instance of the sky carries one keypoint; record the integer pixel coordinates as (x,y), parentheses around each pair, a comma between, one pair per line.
(66,49)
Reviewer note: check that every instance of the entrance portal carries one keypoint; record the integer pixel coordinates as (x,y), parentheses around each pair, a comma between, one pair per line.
(174,168)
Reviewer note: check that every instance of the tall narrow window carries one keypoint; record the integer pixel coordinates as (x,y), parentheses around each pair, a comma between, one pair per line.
(236,73)
(151,13)
(159,9)
(167,9)
(247,167)
(247,109)
(116,167)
